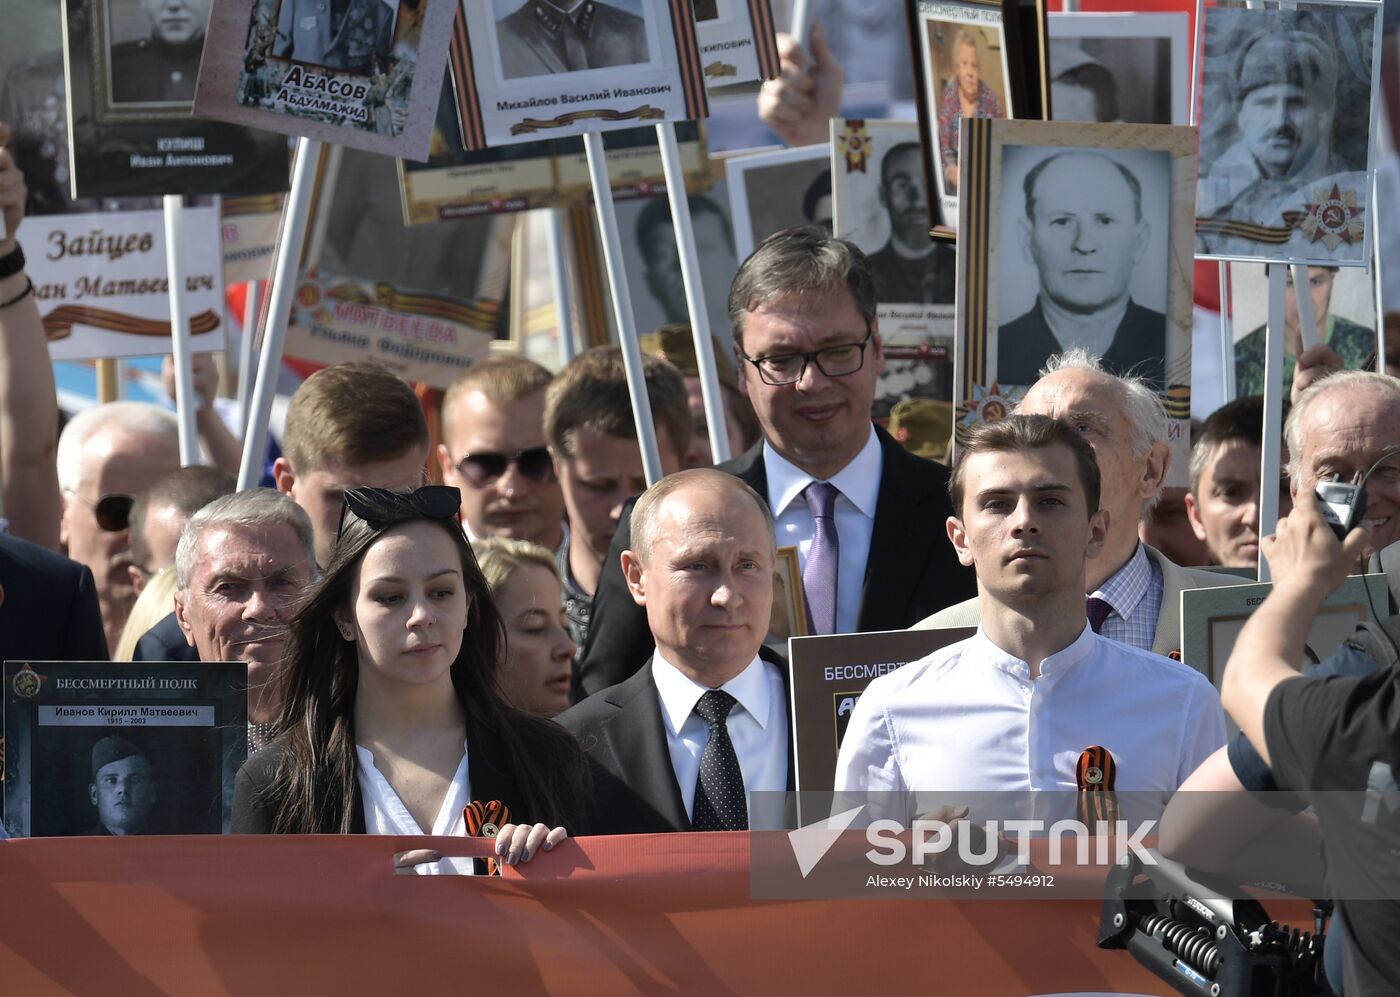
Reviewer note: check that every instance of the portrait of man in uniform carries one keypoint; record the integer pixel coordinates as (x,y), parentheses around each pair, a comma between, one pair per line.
(910,268)
(123,787)
(1080,224)
(350,35)
(541,37)
(162,65)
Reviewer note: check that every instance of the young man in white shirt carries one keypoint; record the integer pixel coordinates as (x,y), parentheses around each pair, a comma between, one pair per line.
(1015,706)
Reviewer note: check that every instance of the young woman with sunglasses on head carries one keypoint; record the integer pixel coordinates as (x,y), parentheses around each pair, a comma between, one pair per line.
(393,720)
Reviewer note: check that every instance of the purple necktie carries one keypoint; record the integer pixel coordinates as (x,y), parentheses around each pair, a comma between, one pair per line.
(1097,610)
(823,557)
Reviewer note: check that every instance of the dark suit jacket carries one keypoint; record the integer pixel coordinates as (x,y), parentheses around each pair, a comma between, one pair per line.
(912,570)
(255,801)
(622,733)
(1024,344)
(164,642)
(48,606)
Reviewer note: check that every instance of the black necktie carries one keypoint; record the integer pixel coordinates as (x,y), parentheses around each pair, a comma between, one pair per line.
(720,804)
(1097,610)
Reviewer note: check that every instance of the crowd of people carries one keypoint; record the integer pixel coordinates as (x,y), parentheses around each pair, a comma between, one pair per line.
(543,631)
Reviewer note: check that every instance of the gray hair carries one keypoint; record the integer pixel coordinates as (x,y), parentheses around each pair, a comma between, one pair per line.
(257,509)
(137,418)
(1344,380)
(804,260)
(646,514)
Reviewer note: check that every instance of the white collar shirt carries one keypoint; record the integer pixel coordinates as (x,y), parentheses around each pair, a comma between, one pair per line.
(385,813)
(758,728)
(970,718)
(859,485)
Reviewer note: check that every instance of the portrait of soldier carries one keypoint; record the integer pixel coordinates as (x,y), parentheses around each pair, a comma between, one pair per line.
(1084,232)
(161,67)
(1282,89)
(1081,87)
(910,267)
(816,201)
(541,37)
(338,34)
(656,239)
(123,787)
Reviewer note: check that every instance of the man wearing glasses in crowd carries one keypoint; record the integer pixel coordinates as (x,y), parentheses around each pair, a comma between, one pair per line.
(862,511)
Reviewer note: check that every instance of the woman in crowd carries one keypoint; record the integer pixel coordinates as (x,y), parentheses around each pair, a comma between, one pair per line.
(393,719)
(965,96)
(155,603)
(524,581)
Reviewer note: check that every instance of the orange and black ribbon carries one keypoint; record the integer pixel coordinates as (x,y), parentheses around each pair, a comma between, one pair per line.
(484,820)
(1096,774)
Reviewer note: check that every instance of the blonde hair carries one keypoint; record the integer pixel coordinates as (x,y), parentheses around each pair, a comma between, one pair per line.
(155,603)
(501,557)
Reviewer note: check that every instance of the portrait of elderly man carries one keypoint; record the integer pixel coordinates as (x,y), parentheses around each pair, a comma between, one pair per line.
(1288,89)
(539,37)
(1084,232)
(160,67)
(910,268)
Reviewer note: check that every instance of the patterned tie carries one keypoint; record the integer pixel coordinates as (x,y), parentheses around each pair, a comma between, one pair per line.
(823,557)
(1097,610)
(720,804)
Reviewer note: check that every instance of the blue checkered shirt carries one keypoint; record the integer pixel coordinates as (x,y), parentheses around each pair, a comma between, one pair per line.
(1135,593)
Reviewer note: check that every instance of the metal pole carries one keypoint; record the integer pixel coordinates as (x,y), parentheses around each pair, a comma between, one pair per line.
(247,351)
(694,293)
(622,306)
(802,22)
(1302,298)
(559,277)
(1227,333)
(185,401)
(1273,410)
(284,280)
(107,382)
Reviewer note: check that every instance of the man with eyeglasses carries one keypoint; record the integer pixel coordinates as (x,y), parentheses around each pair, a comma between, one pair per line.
(107,454)
(863,512)
(493,451)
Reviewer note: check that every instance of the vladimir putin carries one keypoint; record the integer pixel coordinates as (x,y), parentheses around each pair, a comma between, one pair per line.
(1085,234)
(163,66)
(123,787)
(558,36)
(910,268)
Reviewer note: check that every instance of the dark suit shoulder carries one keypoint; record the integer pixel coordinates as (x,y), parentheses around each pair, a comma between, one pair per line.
(164,642)
(51,609)
(585,717)
(46,564)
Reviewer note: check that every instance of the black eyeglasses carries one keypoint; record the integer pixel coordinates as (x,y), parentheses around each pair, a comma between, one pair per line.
(113,511)
(833,361)
(483,468)
(379,505)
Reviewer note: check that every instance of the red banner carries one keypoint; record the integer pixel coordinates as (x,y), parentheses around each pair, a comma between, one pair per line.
(641,914)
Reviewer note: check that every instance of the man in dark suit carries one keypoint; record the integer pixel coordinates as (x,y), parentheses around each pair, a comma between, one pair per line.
(910,268)
(163,66)
(1085,234)
(48,606)
(544,36)
(809,349)
(681,744)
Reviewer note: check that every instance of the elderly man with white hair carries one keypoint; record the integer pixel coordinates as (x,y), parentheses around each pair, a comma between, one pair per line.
(1133,591)
(107,455)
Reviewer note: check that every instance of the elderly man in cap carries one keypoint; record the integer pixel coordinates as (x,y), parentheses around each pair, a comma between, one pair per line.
(1285,89)
(123,787)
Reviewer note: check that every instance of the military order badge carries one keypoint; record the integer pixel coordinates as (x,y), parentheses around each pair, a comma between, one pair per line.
(364,73)
(529,69)
(1288,105)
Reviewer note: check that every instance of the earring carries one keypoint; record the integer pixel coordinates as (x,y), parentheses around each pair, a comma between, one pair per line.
(346,632)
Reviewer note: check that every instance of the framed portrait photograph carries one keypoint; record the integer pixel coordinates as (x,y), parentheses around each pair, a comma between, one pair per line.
(1074,235)
(1344,307)
(737,41)
(1288,108)
(97,748)
(130,70)
(881,205)
(772,191)
(529,69)
(363,73)
(964,61)
(789,616)
(1120,67)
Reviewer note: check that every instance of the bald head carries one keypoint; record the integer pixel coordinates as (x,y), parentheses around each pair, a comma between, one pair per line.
(648,512)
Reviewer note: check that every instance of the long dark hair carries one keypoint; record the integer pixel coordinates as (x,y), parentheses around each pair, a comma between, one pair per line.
(316,782)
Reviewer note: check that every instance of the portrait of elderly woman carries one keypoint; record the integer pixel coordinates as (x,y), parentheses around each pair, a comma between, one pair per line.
(972,68)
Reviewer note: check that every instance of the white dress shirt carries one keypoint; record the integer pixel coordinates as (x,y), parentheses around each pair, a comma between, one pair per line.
(970,718)
(859,485)
(757,727)
(385,813)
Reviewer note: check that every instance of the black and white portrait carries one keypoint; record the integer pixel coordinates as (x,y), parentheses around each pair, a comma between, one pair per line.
(771,191)
(1286,113)
(154,48)
(706,10)
(1119,67)
(542,37)
(1083,259)
(355,36)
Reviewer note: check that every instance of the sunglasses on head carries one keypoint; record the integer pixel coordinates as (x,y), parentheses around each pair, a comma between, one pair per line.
(483,468)
(377,506)
(113,511)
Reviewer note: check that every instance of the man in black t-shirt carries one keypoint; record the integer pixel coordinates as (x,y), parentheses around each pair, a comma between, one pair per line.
(1334,741)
